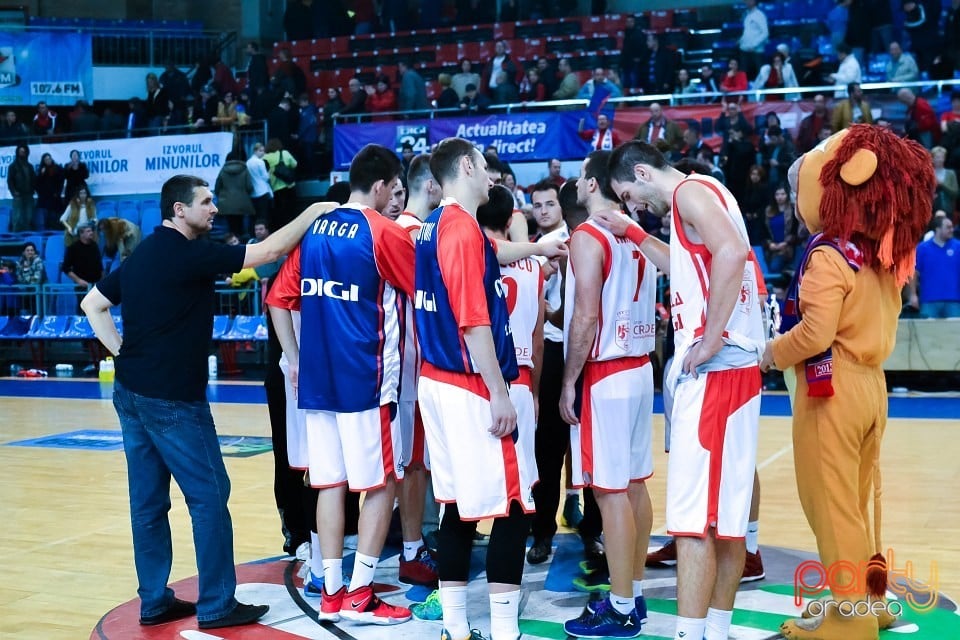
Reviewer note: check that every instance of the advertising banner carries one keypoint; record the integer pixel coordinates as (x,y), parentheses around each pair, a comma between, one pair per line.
(51,66)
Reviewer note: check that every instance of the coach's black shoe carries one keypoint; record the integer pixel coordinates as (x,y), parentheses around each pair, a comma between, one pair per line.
(177,609)
(540,551)
(242,614)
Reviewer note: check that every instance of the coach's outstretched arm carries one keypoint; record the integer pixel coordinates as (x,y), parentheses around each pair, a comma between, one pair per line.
(97,307)
(279,243)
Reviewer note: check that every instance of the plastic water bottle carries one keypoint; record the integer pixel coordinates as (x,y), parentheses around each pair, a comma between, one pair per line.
(106,370)
(212,366)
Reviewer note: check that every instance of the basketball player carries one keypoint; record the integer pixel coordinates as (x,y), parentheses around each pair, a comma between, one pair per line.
(610,290)
(346,276)
(479,468)
(714,379)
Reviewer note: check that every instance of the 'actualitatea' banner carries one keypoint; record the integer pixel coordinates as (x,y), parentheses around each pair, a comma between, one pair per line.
(133,165)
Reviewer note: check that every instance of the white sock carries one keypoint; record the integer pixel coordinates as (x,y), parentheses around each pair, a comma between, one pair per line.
(718,624)
(505,615)
(573,492)
(637,588)
(332,575)
(410,549)
(316,556)
(453,601)
(363,569)
(753,537)
(690,628)
(623,605)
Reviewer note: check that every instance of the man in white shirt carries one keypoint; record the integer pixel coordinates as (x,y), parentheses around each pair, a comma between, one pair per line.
(262,194)
(756,32)
(847,72)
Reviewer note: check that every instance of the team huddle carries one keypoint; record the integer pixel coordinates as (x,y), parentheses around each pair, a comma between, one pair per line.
(416,345)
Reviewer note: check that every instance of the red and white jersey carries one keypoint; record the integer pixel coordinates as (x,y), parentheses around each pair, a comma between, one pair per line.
(626,323)
(410,371)
(690,265)
(523,282)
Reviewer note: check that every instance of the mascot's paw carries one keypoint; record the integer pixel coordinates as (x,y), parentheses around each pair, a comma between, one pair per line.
(832,626)
(885,619)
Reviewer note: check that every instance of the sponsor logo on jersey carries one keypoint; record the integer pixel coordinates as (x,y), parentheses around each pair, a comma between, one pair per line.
(425,301)
(329,289)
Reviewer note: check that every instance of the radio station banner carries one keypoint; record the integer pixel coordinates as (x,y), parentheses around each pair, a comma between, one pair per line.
(518,137)
(133,165)
(51,66)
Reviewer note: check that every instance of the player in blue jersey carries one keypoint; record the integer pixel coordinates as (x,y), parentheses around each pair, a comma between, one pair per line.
(468,360)
(346,277)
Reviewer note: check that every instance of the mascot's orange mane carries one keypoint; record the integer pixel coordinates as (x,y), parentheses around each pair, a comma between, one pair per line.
(886,215)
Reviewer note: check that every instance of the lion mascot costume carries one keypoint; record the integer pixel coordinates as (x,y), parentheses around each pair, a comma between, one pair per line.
(866,197)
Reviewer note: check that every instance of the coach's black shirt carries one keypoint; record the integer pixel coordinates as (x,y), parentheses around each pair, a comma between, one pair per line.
(165,289)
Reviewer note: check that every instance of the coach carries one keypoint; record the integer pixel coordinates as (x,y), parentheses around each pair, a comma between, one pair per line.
(166,287)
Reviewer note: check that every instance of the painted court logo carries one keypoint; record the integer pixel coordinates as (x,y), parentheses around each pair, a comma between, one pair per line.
(845,579)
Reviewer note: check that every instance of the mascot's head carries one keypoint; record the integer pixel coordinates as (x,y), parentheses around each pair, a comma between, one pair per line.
(868,186)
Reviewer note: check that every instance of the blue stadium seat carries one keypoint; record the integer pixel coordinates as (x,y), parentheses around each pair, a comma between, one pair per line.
(78,329)
(4,219)
(106,208)
(53,251)
(16,327)
(764,269)
(48,327)
(221,325)
(149,221)
(3,323)
(247,328)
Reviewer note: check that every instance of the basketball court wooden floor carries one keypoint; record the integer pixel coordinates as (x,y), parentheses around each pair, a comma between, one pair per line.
(66,553)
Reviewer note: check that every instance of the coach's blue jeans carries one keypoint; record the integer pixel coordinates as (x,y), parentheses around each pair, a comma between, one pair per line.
(163,438)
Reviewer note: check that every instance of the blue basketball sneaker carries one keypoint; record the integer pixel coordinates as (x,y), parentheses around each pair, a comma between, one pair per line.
(601,620)
(640,604)
(474,635)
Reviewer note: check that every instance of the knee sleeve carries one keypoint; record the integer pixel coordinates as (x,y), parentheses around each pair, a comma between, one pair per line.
(507,545)
(455,542)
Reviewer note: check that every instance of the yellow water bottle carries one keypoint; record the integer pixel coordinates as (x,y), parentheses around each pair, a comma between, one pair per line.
(106,370)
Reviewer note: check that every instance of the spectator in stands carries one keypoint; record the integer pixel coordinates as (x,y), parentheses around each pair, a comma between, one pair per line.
(112,122)
(280,123)
(921,22)
(206,108)
(837,20)
(734,80)
(881,25)
(553,172)
(80,212)
(82,261)
(708,82)
(659,131)
(298,20)
(684,87)
(381,98)
(501,62)
(731,114)
(693,144)
(448,98)
(548,75)
(937,274)
(951,36)
(227,115)
(473,101)
(44,120)
(632,53)
(413,89)
(778,74)
(778,154)
(466,76)
(358,98)
(120,237)
(920,123)
(257,74)
(531,88)
(49,187)
(202,73)
(223,79)
(602,137)
(706,156)
(290,76)
(569,84)
(782,223)
(11,129)
(811,125)
(737,156)
(22,183)
(520,202)
(854,110)
(901,67)
(234,188)
(157,105)
(859,28)
(262,194)
(947,187)
(658,67)
(407,154)
(284,193)
(30,266)
(506,90)
(83,119)
(334,105)
(754,200)
(75,175)
(175,84)
(954,114)
(599,79)
(752,42)
(308,133)
(848,72)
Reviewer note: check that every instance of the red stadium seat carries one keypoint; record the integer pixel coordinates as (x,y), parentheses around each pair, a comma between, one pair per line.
(660,20)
